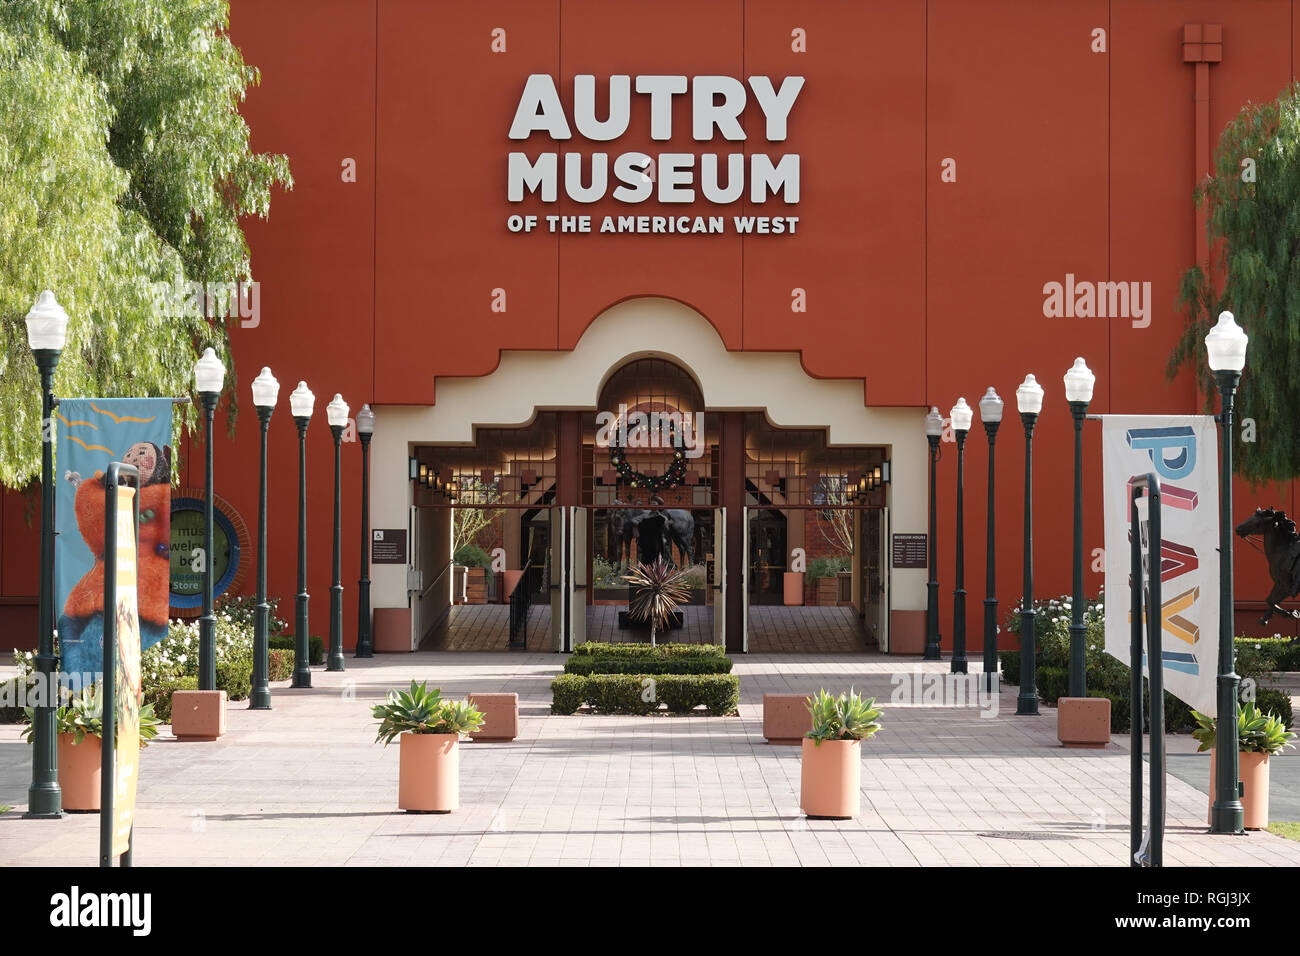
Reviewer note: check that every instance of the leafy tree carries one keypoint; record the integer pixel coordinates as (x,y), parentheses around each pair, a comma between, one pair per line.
(1252,200)
(126,169)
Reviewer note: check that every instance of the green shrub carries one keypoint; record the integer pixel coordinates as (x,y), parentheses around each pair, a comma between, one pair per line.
(1271,700)
(567,692)
(627,693)
(646,651)
(11,691)
(1053,684)
(472,556)
(599,664)
(315,647)
(828,566)
(160,694)
(1010,661)
(279,665)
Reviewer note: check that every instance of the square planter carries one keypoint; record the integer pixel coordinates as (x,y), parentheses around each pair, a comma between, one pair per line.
(198,714)
(786,718)
(1083,721)
(500,717)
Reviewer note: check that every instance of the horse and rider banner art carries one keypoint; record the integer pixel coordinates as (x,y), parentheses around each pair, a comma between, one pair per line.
(1182,451)
(92,432)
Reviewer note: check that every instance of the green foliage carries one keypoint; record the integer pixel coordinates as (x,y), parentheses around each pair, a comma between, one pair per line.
(241,609)
(159,694)
(419,710)
(648,652)
(82,714)
(279,665)
(1251,223)
(1257,732)
(315,647)
(472,556)
(644,693)
(606,574)
(1271,700)
(177,655)
(127,168)
(846,717)
(1009,661)
(828,566)
(589,664)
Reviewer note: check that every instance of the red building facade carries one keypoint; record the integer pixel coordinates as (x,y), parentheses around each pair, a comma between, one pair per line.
(953,160)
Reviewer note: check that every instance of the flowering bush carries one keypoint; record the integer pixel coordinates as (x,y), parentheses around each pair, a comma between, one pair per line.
(1052,617)
(177,654)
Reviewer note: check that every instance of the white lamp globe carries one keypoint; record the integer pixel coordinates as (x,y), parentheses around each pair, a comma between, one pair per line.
(934,423)
(209,372)
(366,421)
(991,407)
(47,323)
(266,390)
(1226,345)
(1029,396)
(961,416)
(336,412)
(302,401)
(1079,381)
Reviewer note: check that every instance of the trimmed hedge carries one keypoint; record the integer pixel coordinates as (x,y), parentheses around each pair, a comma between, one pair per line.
(644,693)
(315,647)
(599,664)
(648,652)
(279,665)
(160,695)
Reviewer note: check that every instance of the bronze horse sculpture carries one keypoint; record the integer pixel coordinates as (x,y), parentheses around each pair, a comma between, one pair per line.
(649,533)
(1282,549)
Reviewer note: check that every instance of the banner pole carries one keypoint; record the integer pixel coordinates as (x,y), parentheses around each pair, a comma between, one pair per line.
(108,676)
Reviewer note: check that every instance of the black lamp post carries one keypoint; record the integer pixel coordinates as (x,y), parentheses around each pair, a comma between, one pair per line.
(1226,347)
(365,641)
(933,432)
(266,390)
(301,404)
(1029,402)
(47,327)
(209,376)
(991,416)
(961,419)
(336,412)
(1079,382)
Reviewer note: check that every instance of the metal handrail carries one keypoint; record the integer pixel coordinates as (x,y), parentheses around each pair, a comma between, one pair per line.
(521,602)
(445,568)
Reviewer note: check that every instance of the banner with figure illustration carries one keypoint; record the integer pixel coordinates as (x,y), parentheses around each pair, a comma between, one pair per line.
(92,432)
(1182,451)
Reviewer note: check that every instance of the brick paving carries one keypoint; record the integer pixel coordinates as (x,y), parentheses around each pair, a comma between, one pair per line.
(305,784)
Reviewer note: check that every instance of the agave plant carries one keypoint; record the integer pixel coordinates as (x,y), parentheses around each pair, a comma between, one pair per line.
(659,589)
(419,710)
(82,716)
(846,717)
(1257,732)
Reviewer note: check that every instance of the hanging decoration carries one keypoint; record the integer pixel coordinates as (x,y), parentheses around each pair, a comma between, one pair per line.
(671,478)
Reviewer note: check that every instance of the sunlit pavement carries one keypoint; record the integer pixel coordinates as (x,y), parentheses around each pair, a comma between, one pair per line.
(305,784)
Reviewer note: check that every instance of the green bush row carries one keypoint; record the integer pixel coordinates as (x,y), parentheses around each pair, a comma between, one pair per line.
(599,664)
(644,693)
(315,647)
(279,665)
(654,652)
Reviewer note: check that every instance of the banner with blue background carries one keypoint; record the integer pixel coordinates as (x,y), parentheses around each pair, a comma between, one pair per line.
(92,432)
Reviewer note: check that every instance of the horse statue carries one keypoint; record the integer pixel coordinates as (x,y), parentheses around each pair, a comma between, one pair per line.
(655,530)
(1282,549)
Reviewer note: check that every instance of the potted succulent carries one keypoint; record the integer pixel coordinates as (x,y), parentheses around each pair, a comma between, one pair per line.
(429,729)
(831,770)
(80,725)
(1259,736)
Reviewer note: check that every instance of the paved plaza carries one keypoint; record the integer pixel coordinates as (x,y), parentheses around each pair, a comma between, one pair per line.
(304,784)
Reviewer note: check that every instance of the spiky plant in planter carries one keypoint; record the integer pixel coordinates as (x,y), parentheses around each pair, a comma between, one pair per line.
(658,590)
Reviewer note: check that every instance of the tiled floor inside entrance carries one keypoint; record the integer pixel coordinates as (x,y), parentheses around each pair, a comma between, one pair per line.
(772,629)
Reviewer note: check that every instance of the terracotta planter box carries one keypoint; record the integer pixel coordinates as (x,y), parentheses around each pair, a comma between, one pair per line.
(830,778)
(786,718)
(1252,771)
(1083,721)
(198,714)
(80,767)
(429,773)
(793,588)
(476,586)
(500,717)
(828,592)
